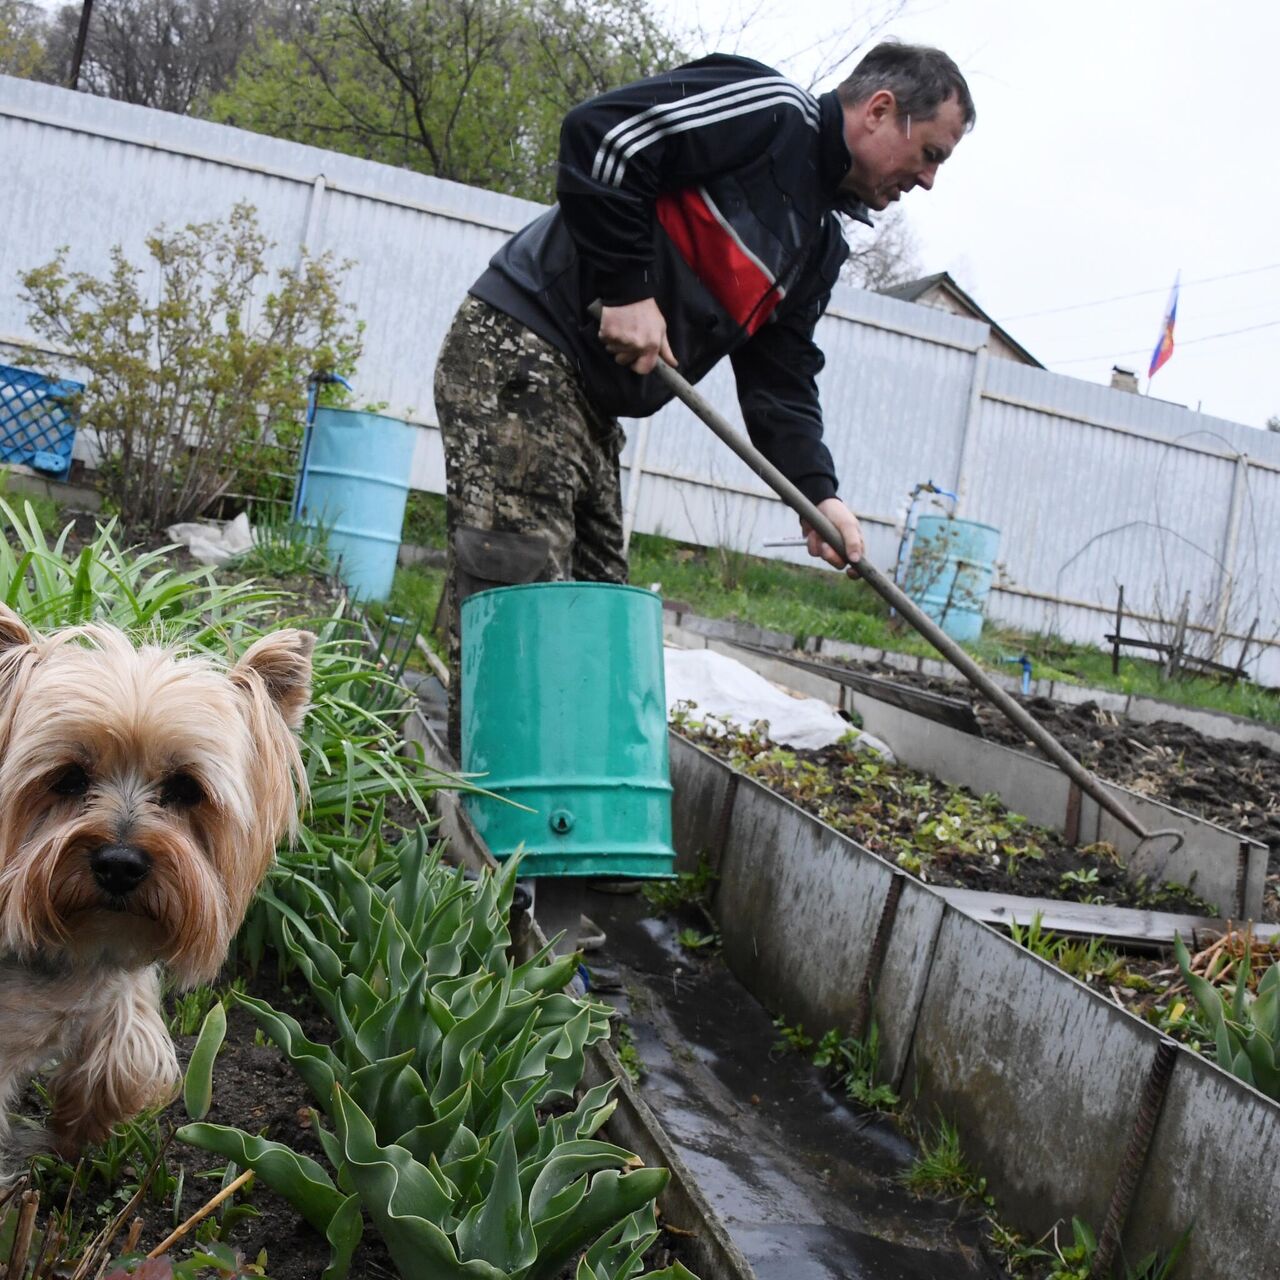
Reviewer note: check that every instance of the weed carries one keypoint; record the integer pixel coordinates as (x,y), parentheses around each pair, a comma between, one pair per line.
(693,940)
(284,547)
(1085,878)
(1076,1261)
(1038,940)
(941,1169)
(853,1062)
(688,889)
(1079,957)
(190,1007)
(791,1039)
(628,1054)
(1087,958)
(1172,896)
(856,1063)
(424,519)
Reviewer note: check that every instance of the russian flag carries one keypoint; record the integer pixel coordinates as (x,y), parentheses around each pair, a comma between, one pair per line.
(1164,347)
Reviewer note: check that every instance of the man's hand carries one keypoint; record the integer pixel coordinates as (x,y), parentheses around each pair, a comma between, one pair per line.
(847,525)
(636,335)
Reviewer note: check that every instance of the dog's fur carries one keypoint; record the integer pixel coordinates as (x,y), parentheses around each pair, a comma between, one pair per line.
(142,794)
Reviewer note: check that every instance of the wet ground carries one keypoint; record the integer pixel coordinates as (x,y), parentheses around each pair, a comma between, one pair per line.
(807,1184)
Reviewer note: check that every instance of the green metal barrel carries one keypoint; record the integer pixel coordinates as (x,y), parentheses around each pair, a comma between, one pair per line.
(564,712)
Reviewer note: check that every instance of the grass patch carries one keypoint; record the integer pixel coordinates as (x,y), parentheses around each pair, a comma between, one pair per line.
(45,510)
(424,524)
(805,602)
(941,1169)
(415,593)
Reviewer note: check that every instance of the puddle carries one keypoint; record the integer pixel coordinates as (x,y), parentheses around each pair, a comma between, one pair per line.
(805,1184)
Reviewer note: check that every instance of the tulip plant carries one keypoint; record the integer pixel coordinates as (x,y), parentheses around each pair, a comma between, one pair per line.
(448,1110)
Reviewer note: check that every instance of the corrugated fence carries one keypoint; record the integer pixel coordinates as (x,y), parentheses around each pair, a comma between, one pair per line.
(1091,488)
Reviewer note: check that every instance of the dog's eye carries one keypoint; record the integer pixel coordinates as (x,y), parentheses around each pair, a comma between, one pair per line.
(72,781)
(181,791)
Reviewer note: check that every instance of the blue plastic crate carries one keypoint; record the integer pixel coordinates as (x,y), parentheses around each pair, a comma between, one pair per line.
(37,421)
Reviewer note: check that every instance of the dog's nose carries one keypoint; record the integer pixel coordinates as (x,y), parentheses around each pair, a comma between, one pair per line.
(119,868)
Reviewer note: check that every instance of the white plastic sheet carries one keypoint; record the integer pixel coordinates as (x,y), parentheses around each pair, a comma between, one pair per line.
(719,686)
(214,544)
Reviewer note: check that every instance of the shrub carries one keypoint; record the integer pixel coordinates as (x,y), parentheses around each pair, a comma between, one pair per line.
(206,380)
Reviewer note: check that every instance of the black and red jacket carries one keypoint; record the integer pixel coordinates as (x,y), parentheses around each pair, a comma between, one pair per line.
(712,189)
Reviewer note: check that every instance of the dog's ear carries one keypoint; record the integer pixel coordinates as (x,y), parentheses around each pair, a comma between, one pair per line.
(14,633)
(282,661)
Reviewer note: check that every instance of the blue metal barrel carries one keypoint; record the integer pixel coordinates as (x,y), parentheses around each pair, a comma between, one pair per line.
(949,572)
(355,482)
(564,712)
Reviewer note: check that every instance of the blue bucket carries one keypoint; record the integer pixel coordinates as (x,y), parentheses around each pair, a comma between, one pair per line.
(354,483)
(949,572)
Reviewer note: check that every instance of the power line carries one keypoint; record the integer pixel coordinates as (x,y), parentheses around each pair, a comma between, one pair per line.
(1140,293)
(1188,342)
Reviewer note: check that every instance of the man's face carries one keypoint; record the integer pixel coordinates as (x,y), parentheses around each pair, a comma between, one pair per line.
(892,154)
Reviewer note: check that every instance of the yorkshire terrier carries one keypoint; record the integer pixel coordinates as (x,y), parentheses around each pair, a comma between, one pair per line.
(142,795)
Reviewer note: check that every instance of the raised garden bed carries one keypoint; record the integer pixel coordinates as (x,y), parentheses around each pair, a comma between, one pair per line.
(1233,783)
(1066,1105)
(942,833)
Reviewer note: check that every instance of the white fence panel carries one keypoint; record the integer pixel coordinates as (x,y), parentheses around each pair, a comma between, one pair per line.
(1090,487)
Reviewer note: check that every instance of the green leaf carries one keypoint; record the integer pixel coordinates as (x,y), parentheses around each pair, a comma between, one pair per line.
(610,1196)
(432,1137)
(567,1162)
(315,1063)
(1205,993)
(405,1202)
(467,1036)
(366,1086)
(298,1178)
(498,1229)
(1261,1053)
(343,1234)
(197,1088)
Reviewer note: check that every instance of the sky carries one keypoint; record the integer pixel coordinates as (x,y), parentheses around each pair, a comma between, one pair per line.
(1116,145)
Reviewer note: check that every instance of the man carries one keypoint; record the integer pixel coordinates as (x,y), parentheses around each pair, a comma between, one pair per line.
(698,206)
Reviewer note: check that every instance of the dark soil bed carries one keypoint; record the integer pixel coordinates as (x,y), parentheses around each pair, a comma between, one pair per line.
(1235,784)
(942,833)
(255,1089)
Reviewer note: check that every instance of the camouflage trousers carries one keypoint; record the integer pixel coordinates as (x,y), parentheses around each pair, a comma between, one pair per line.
(531,469)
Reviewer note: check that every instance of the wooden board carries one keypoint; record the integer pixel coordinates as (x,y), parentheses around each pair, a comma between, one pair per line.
(1119,924)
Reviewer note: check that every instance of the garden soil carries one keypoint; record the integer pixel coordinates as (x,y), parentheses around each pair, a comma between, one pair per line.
(1234,784)
(894,813)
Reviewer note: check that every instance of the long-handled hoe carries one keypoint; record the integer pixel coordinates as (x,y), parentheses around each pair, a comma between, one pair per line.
(925,625)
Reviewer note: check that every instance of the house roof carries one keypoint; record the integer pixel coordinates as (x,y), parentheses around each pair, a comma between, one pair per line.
(914,290)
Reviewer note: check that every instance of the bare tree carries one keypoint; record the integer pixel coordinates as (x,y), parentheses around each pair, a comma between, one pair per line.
(470,90)
(888,255)
(821,57)
(170,54)
(882,258)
